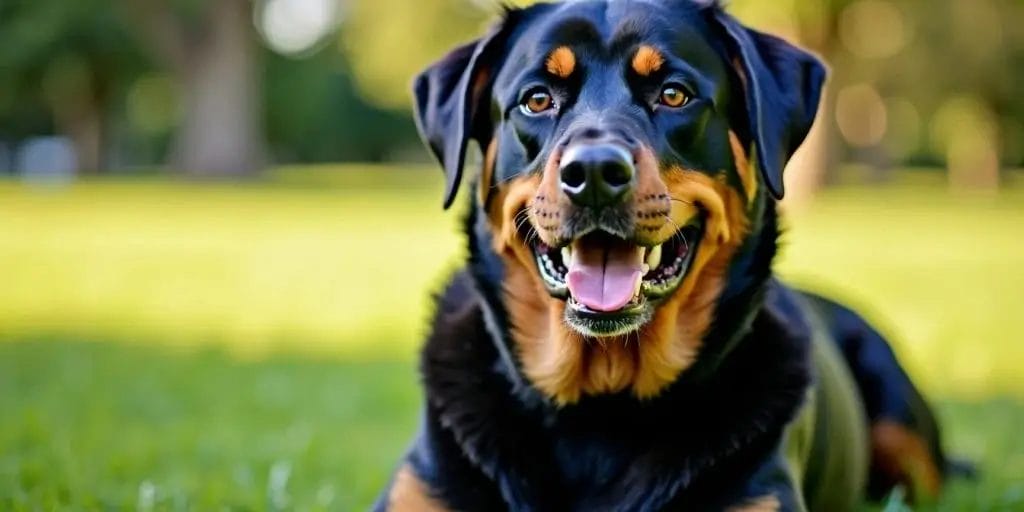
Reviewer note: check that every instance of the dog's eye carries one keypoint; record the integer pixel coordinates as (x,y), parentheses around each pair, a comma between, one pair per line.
(537,101)
(673,96)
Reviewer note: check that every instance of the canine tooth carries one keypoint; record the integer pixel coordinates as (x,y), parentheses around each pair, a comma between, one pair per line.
(645,269)
(636,289)
(654,256)
(566,254)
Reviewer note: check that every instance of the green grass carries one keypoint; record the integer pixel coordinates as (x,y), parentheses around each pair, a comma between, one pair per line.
(253,267)
(100,426)
(180,346)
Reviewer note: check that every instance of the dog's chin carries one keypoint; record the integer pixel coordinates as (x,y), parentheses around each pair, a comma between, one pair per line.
(611,286)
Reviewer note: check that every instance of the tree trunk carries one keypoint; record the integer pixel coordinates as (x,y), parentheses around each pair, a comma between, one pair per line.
(82,122)
(807,171)
(221,130)
(813,165)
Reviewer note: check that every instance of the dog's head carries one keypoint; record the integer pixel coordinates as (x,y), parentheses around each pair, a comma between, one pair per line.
(631,149)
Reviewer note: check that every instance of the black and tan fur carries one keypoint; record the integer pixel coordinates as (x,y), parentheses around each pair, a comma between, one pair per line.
(735,392)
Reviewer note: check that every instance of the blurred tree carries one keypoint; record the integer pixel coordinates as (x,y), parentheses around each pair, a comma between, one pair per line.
(62,65)
(316,114)
(389,41)
(921,82)
(212,50)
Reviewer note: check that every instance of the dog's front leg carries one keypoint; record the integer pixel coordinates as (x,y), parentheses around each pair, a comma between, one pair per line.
(435,475)
(771,488)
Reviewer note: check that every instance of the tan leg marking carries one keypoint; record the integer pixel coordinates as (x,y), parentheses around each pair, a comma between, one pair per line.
(903,457)
(767,503)
(410,494)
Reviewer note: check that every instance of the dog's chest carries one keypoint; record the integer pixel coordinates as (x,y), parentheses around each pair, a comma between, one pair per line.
(591,462)
(615,457)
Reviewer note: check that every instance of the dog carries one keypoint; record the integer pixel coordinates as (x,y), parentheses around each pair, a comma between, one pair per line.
(616,339)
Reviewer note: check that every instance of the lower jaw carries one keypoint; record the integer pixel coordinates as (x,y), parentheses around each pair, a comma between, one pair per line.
(601,324)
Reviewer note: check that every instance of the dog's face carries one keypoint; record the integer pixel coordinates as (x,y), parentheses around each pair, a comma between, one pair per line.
(622,143)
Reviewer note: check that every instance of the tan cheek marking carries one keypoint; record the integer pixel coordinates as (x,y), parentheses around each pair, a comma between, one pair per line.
(671,342)
(651,203)
(647,60)
(548,202)
(410,494)
(556,359)
(551,355)
(561,62)
(505,211)
(767,503)
(743,167)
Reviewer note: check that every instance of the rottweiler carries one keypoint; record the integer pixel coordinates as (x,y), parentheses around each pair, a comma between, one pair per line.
(616,339)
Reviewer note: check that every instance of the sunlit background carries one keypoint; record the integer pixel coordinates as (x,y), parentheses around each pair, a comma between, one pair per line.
(219,235)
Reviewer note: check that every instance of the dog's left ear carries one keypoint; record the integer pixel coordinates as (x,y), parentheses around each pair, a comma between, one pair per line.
(783,87)
(451,99)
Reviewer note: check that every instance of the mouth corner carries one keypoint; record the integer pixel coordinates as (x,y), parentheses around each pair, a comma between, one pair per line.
(612,285)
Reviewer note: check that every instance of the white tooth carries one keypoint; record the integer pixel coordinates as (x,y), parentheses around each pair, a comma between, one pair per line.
(573,254)
(566,255)
(636,290)
(645,269)
(654,257)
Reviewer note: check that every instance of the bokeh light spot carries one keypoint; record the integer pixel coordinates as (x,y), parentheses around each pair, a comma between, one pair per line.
(296,26)
(903,134)
(861,115)
(873,29)
(964,129)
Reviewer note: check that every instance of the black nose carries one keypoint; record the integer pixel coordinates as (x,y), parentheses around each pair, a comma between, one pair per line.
(597,175)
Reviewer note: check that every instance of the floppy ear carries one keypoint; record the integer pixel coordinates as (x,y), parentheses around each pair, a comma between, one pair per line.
(783,87)
(448,96)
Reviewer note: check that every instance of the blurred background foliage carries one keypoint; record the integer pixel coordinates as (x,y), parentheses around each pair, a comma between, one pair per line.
(232,86)
(172,341)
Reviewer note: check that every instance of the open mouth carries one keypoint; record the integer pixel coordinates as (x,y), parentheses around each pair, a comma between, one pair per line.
(610,285)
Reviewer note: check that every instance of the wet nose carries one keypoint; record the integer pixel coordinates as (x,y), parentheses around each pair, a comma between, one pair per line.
(597,175)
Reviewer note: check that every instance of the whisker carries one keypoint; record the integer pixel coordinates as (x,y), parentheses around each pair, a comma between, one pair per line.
(677,232)
(531,236)
(521,218)
(523,221)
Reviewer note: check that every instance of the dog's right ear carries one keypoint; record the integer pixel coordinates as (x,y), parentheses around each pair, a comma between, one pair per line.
(451,98)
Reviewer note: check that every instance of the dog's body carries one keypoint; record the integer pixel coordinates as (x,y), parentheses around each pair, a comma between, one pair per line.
(616,340)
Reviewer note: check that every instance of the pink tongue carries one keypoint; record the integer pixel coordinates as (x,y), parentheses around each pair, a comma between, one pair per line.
(604,278)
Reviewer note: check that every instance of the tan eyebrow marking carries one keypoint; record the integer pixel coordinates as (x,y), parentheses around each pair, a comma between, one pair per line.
(561,62)
(647,60)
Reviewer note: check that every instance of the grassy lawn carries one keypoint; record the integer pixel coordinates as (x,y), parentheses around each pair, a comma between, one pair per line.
(179,346)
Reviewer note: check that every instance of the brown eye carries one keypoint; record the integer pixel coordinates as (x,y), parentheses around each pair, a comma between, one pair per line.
(537,102)
(673,96)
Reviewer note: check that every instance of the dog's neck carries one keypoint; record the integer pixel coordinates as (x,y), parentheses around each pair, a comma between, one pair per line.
(744,294)
(737,306)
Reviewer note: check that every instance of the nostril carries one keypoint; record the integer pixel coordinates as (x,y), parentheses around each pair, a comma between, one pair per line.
(573,175)
(616,174)
(591,133)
